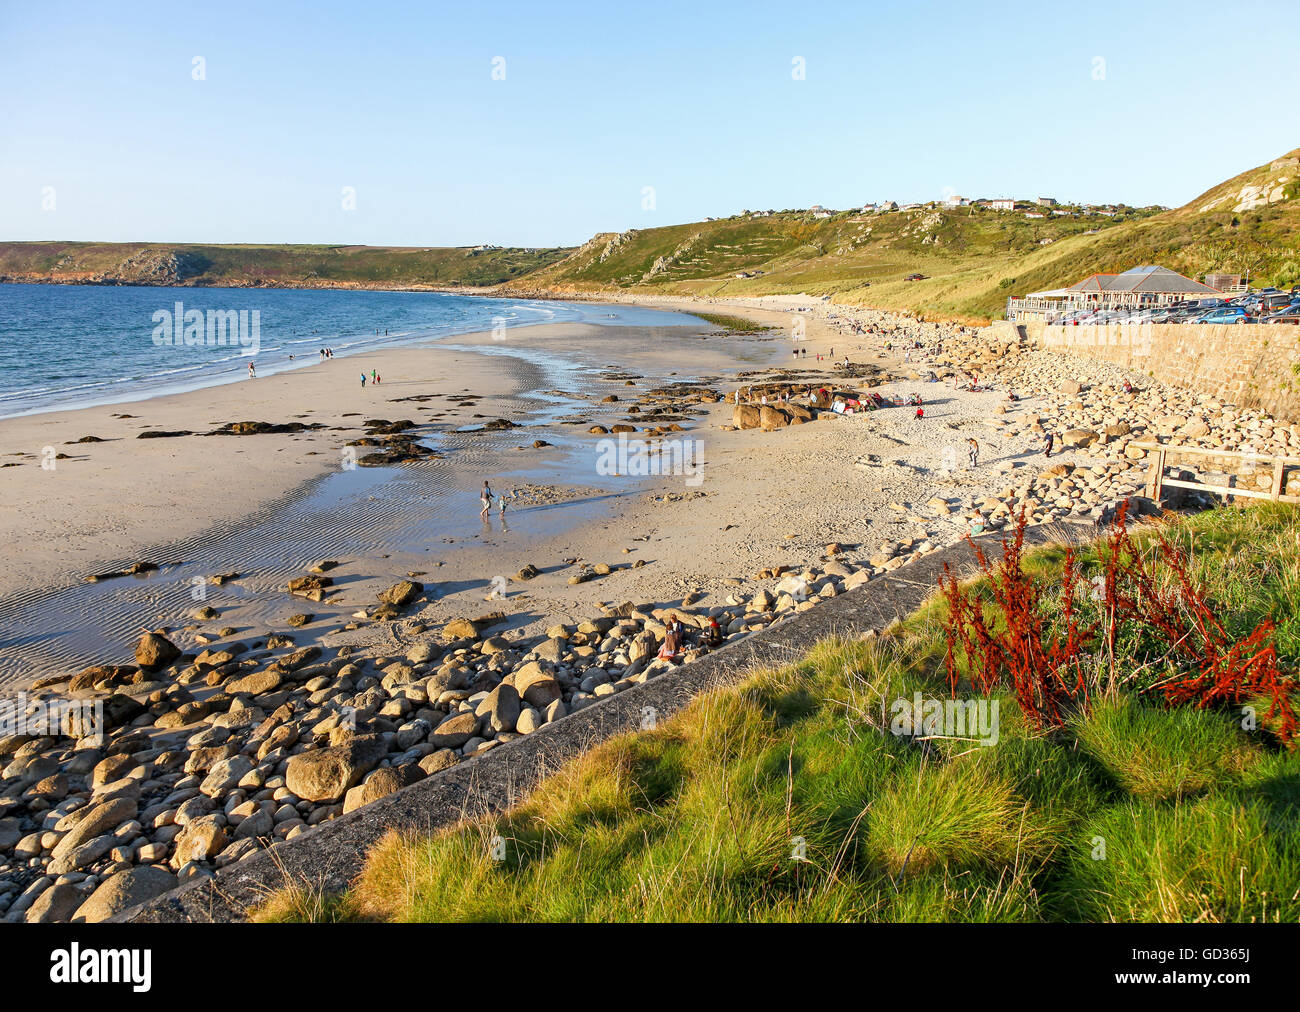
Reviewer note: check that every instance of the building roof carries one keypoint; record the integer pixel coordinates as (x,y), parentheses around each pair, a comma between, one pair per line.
(1160,280)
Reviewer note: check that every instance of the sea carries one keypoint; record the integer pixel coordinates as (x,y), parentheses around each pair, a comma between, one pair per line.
(72,346)
(64,347)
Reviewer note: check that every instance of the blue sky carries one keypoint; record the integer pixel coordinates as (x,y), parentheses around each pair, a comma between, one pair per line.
(100,111)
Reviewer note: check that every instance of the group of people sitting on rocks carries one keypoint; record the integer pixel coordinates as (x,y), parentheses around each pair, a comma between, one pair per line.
(674,645)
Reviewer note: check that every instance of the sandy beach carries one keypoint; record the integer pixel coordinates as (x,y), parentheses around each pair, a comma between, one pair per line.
(290,607)
(200,505)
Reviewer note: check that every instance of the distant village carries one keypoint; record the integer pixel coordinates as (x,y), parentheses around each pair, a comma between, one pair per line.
(1037,207)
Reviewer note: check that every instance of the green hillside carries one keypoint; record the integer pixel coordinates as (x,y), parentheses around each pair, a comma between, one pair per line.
(974,257)
(269,265)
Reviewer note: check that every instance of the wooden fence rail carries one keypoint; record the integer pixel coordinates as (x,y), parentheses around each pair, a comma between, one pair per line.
(1160,453)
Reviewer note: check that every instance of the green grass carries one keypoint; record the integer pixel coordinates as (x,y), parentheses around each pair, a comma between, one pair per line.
(281,265)
(786,798)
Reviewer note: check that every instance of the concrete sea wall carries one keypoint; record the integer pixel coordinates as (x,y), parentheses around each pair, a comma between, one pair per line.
(1251,366)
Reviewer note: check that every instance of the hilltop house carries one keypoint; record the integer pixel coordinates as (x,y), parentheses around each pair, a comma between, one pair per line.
(1046,201)
(1003,204)
(1138,288)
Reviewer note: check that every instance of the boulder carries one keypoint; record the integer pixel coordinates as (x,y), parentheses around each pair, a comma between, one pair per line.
(96,821)
(311,587)
(326,774)
(443,759)
(58,903)
(201,840)
(254,684)
(746,416)
(153,650)
(225,775)
(423,653)
(459,629)
(380,783)
(258,825)
(454,731)
(402,593)
(551,649)
(501,707)
(535,686)
(124,890)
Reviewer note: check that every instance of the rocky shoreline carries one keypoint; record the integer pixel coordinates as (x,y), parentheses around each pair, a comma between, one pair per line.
(203,758)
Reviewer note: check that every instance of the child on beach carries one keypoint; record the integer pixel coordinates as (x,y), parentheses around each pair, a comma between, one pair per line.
(974,453)
(252,373)
(920,413)
(1048,439)
(713,635)
(672,640)
(363,381)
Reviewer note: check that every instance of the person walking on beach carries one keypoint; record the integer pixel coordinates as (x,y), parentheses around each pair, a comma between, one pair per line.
(1048,439)
(485,497)
(252,372)
(974,452)
(363,381)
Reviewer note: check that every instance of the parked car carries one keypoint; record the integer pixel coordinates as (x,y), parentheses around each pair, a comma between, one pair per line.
(1273,301)
(1199,304)
(915,277)
(1287,314)
(1224,314)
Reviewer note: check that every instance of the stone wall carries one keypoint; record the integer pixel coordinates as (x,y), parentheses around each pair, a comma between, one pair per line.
(1251,366)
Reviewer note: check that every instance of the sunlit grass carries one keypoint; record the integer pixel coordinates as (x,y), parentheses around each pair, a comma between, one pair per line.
(785,798)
